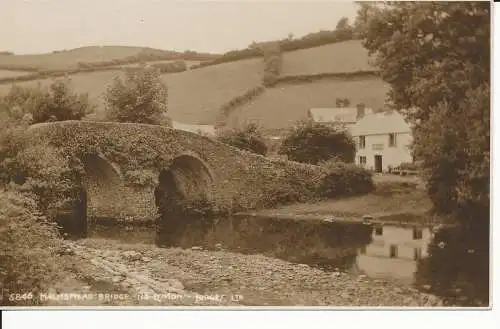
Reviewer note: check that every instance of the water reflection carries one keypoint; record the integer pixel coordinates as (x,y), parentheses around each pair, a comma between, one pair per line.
(393,253)
(443,262)
(324,244)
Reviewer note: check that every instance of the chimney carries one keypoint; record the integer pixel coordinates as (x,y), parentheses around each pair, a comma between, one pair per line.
(361,111)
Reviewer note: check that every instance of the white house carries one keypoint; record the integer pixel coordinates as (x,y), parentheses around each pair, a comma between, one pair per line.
(383,140)
(345,115)
(205,130)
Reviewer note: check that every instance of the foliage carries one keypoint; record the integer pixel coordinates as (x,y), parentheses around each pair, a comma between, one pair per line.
(173,67)
(140,98)
(249,138)
(28,244)
(308,78)
(234,103)
(436,57)
(273,63)
(58,102)
(312,142)
(342,24)
(344,179)
(311,40)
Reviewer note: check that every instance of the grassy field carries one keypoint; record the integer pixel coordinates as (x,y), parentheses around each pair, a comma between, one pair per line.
(92,83)
(70,58)
(280,107)
(349,56)
(8,74)
(194,96)
(188,63)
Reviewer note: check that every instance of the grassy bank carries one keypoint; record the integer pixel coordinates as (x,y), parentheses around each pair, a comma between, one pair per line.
(395,199)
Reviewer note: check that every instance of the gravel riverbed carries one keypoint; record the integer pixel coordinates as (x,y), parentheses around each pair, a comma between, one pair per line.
(151,276)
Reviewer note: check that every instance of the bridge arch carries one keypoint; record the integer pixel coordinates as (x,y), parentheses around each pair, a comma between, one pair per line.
(187,179)
(187,176)
(102,181)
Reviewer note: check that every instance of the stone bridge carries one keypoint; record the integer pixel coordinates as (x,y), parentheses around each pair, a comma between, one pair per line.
(125,164)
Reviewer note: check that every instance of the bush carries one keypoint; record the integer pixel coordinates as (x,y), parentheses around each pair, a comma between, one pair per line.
(58,102)
(140,98)
(249,139)
(343,179)
(314,142)
(227,108)
(173,67)
(28,244)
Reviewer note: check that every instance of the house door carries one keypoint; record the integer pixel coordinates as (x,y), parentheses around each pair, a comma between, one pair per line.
(378,163)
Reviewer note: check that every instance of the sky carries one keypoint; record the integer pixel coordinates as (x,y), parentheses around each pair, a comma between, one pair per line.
(39,26)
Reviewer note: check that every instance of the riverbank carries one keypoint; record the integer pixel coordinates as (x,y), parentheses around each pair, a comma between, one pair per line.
(197,277)
(396,199)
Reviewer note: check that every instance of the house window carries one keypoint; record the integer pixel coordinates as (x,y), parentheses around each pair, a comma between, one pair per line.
(362,250)
(393,250)
(362,142)
(379,230)
(417,233)
(362,160)
(392,140)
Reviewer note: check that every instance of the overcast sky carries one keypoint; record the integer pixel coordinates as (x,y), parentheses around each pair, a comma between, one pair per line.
(36,26)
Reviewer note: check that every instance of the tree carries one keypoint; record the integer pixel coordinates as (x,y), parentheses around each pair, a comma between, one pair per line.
(343,24)
(248,138)
(436,58)
(314,142)
(57,102)
(141,98)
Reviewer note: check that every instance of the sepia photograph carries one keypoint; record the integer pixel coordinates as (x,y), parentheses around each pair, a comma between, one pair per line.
(245,154)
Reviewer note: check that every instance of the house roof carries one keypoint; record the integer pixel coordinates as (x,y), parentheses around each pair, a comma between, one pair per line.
(206,129)
(381,123)
(342,114)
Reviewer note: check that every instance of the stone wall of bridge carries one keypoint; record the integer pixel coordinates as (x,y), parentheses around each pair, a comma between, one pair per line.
(124,163)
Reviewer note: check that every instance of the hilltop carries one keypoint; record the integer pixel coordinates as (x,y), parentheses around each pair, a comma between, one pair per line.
(70,59)
(197,95)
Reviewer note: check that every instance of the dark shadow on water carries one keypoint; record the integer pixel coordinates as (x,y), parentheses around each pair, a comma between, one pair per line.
(317,243)
(457,267)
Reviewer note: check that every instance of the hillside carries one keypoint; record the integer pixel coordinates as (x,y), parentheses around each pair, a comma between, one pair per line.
(9,73)
(195,96)
(348,56)
(69,59)
(281,107)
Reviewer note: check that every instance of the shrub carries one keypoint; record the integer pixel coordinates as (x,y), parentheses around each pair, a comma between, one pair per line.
(58,102)
(314,142)
(173,67)
(227,108)
(28,244)
(140,98)
(344,179)
(249,139)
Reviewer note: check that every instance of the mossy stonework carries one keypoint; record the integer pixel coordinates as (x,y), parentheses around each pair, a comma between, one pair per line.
(123,163)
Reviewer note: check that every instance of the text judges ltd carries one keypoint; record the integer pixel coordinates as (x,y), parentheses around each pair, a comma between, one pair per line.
(197,298)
